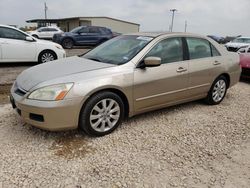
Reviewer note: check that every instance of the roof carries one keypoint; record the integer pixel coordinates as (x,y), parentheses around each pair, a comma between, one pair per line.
(71,18)
(157,34)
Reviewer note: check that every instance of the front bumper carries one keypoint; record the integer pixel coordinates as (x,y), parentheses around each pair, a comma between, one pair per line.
(47,115)
(61,53)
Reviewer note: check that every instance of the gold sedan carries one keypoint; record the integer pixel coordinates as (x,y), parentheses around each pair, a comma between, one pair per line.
(124,76)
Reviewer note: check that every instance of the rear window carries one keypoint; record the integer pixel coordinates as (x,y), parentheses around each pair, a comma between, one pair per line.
(105,31)
(198,48)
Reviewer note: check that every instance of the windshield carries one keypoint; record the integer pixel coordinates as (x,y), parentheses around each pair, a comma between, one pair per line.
(118,50)
(75,30)
(242,40)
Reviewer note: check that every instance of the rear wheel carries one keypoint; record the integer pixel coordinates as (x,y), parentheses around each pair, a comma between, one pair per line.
(67,43)
(217,91)
(102,114)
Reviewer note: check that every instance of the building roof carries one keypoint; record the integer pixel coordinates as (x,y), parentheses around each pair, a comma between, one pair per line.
(71,18)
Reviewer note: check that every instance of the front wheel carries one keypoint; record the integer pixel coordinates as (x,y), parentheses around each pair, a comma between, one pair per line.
(46,56)
(102,114)
(217,91)
(67,43)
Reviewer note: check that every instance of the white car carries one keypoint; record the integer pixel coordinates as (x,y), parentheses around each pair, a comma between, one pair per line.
(18,46)
(238,43)
(244,50)
(45,32)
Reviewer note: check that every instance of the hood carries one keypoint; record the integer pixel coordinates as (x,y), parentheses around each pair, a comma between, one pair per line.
(70,34)
(245,60)
(56,69)
(46,42)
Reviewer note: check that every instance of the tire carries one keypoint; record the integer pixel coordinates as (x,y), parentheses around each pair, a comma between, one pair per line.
(36,36)
(67,43)
(217,91)
(102,114)
(46,56)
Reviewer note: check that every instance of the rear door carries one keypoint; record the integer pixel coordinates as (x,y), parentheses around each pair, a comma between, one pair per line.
(51,32)
(159,86)
(205,65)
(94,35)
(43,32)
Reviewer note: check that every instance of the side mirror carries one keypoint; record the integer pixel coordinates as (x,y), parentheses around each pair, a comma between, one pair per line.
(30,39)
(150,62)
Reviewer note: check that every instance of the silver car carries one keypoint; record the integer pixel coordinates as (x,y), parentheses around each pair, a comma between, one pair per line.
(124,76)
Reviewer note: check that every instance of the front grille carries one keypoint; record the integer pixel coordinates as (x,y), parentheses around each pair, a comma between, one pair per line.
(36,117)
(20,92)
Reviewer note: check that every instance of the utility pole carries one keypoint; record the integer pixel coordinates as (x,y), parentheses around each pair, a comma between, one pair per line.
(172,23)
(45,10)
(185,26)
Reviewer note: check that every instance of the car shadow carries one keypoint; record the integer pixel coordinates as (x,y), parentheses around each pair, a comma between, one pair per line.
(20,64)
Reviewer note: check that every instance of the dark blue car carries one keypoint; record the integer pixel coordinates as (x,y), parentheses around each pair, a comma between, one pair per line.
(83,35)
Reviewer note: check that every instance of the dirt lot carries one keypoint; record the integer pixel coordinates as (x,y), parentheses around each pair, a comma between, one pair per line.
(190,145)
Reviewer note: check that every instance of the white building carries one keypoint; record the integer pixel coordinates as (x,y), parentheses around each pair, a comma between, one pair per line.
(67,24)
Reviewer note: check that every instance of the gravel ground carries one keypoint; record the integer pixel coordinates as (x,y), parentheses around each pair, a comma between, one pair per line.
(190,145)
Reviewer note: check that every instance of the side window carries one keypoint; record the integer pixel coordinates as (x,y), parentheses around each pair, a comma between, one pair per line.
(93,30)
(11,34)
(215,52)
(242,50)
(169,50)
(42,30)
(198,48)
(52,29)
(84,30)
(248,50)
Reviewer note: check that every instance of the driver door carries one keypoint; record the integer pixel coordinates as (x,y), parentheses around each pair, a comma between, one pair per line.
(15,47)
(167,84)
(82,37)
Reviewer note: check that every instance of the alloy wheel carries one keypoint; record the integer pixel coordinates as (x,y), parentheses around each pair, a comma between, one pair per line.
(219,90)
(46,57)
(104,115)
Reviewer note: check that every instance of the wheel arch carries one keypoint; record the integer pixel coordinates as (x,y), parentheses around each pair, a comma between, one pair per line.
(227,76)
(117,91)
(68,37)
(46,50)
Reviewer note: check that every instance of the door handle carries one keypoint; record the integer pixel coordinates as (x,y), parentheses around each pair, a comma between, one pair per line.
(216,62)
(181,69)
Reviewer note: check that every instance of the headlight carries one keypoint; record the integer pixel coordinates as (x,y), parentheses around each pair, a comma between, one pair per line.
(51,93)
(58,46)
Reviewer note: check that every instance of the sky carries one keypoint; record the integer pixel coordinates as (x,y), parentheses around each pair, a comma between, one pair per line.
(215,17)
